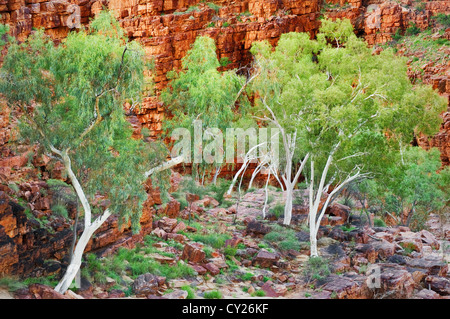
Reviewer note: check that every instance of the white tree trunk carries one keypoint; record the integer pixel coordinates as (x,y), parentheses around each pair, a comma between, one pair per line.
(314,203)
(216,174)
(267,195)
(91,227)
(75,263)
(288,204)
(290,185)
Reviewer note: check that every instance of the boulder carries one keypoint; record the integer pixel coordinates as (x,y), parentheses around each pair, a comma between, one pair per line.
(395,282)
(265,258)
(212,268)
(198,268)
(146,284)
(427,294)
(274,290)
(179,227)
(429,239)
(441,285)
(255,228)
(177,294)
(383,248)
(430,265)
(193,252)
(346,288)
(167,224)
(39,291)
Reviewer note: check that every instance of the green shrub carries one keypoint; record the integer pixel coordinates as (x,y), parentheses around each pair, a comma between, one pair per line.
(420,6)
(11,284)
(214,6)
(378,222)
(284,237)
(14,187)
(57,183)
(412,30)
(442,41)
(60,210)
(348,228)
(215,294)
(247,276)
(397,35)
(443,19)
(225,24)
(215,240)
(230,251)
(258,293)
(190,291)
(317,268)
(278,210)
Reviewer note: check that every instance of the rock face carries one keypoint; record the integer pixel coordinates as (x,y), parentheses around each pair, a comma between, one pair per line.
(168,28)
(28,248)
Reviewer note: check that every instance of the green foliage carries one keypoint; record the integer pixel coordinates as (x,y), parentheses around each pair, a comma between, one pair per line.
(48,281)
(378,222)
(218,190)
(224,61)
(317,268)
(200,92)
(190,291)
(338,31)
(4,29)
(258,293)
(420,6)
(214,294)
(14,187)
(342,101)
(412,30)
(56,183)
(79,89)
(284,237)
(225,24)
(416,186)
(60,210)
(230,251)
(278,210)
(214,6)
(11,283)
(397,35)
(348,228)
(443,19)
(133,262)
(442,41)
(215,240)
(190,185)
(189,10)
(247,276)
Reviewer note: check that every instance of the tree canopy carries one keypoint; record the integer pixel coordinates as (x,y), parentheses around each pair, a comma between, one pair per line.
(70,99)
(341,109)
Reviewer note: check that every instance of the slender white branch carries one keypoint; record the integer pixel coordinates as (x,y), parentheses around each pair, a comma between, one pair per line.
(173,162)
(335,190)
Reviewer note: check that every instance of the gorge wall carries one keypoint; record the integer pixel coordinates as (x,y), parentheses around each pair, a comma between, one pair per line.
(167,28)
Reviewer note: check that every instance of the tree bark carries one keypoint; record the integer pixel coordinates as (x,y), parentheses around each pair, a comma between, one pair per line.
(75,263)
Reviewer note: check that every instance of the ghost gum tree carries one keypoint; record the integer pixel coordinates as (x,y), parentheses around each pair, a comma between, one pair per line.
(204,102)
(69,100)
(341,111)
